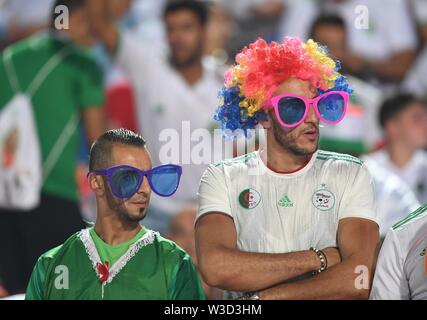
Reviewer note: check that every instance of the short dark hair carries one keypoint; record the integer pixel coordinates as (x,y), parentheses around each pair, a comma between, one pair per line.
(327,19)
(72,6)
(394,105)
(100,151)
(198,8)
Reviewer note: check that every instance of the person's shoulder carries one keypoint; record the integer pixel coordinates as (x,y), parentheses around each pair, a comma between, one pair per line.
(57,251)
(171,252)
(338,159)
(82,54)
(414,221)
(52,253)
(29,46)
(243,160)
(408,231)
(169,247)
(233,166)
(82,60)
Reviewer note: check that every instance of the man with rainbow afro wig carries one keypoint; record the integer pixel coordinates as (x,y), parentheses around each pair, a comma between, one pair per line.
(287,221)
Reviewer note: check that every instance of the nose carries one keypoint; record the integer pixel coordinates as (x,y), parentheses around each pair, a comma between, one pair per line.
(311,116)
(145,186)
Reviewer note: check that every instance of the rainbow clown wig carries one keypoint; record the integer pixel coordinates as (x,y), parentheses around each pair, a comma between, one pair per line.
(261,68)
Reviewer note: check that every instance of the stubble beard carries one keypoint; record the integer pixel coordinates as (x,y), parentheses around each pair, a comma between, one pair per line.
(115,205)
(288,142)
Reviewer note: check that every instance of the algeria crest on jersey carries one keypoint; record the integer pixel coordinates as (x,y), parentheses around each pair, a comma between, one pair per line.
(249,198)
(323,199)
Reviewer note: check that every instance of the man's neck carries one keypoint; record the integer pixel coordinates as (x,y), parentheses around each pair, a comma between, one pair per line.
(280,160)
(400,154)
(113,230)
(191,73)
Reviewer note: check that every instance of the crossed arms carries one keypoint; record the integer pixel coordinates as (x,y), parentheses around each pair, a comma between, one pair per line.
(222,265)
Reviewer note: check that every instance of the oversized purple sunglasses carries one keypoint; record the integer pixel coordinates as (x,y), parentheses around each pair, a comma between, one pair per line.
(125,181)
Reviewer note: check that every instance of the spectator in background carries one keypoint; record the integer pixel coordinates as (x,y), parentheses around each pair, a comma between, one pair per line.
(181,231)
(168,91)
(381,43)
(72,88)
(359,131)
(404,121)
(253,19)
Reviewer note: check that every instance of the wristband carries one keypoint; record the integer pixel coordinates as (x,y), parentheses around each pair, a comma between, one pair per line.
(323,260)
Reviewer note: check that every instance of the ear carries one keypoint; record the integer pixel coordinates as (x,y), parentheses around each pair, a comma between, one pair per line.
(96,183)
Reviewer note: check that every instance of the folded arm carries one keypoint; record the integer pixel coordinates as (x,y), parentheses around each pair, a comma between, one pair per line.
(224,266)
(358,241)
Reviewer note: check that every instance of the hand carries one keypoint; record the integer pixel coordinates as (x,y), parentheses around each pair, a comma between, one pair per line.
(332,255)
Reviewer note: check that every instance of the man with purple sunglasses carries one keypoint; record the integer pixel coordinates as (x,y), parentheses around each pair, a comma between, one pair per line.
(288,221)
(118,258)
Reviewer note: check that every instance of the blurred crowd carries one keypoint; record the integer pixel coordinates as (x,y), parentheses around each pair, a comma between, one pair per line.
(147,65)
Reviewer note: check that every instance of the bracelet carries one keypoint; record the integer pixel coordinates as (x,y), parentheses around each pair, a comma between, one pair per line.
(323,260)
(249,296)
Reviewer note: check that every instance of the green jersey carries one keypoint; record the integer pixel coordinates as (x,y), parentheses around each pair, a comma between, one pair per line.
(112,253)
(74,85)
(150,268)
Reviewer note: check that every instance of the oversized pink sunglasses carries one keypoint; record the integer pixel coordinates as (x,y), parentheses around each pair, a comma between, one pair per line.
(291,110)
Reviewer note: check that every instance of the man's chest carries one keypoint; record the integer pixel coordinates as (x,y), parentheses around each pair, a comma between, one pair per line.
(286,215)
(138,279)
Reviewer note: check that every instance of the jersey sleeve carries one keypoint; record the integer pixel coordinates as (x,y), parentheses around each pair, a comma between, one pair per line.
(35,287)
(90,88)
(213,193)
(359,197)
(390,281)
(186,284)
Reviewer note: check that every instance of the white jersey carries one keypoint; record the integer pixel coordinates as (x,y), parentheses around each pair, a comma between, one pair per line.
(168,108)
(401,272)
(394,197)
(414,173)
(279,213)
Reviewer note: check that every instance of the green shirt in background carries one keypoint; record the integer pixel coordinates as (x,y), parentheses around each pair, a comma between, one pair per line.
(72,87)
(158,270)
